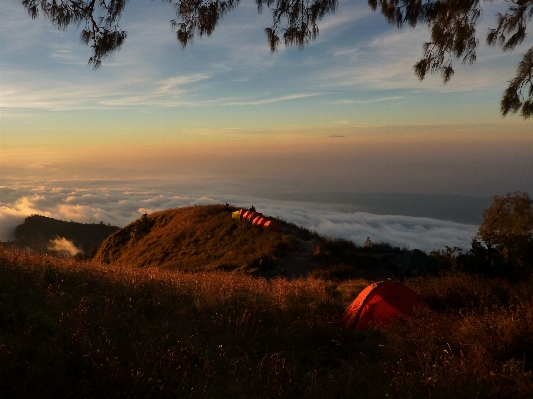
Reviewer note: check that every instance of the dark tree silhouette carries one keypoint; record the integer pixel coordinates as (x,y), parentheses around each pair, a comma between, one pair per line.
(507,230)
(452,26)
(451,23)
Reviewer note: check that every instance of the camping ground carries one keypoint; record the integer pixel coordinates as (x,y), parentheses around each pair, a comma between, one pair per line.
(81,329)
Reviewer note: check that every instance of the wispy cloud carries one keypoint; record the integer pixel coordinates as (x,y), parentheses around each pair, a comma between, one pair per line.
(348,13)
(385,61)
(64,247)
(177,81)
(370,101)
(63,54)
(271,100)
(49,91)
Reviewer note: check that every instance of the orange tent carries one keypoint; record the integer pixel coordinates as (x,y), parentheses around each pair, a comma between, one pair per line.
(241,212)
(262,221)
(257,219)
(251,216)
(379,304)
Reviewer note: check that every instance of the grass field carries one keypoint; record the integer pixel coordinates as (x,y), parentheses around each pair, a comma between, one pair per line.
(75,329)
(194,238)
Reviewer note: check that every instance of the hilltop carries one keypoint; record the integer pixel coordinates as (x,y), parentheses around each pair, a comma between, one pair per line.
(208,238)
(37,233)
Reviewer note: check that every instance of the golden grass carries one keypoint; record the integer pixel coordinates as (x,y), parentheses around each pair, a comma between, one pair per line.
(194,238)
(78,329)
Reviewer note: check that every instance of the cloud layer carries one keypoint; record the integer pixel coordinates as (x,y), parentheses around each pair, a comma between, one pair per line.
(86,204)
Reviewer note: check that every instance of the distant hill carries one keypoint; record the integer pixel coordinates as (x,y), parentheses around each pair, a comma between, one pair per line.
(208,238)
(38,232)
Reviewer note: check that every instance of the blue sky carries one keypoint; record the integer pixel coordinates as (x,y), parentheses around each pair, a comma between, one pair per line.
(345,113)
(358,74)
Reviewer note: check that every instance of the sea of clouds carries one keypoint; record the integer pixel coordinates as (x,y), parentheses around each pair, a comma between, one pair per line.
(93,202)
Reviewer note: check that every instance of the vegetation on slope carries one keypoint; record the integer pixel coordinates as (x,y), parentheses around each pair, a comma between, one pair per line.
(75,329)
(207,238)
(194,238)
(37,232)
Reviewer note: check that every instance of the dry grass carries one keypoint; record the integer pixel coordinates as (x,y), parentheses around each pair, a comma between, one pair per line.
(478,342)
(77,329)
(207,238)
(194,238)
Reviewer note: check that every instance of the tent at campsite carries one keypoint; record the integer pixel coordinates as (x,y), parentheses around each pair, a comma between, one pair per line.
(251,216)
(414,263)
(379,304)
(257,219)
(262,221)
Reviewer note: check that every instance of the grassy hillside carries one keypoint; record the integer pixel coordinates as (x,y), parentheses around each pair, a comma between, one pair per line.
(75,329)
(207,238)
(197,237)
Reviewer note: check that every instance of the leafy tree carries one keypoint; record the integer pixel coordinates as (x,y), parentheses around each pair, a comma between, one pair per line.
(507,231)
(451,23)
(447,257)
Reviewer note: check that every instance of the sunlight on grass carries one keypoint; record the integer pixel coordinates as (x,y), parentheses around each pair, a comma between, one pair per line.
(71,328)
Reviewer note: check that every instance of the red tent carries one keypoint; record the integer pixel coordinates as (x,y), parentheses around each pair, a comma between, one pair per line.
(380,304)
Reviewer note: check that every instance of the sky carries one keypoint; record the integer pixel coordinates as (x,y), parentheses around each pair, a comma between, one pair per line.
(227,120)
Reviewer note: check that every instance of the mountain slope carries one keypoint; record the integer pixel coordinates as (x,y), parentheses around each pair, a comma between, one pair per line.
(207,238)
(38,231)
(197,237)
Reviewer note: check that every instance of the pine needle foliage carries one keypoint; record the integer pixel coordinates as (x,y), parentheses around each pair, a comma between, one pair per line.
(452,28)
